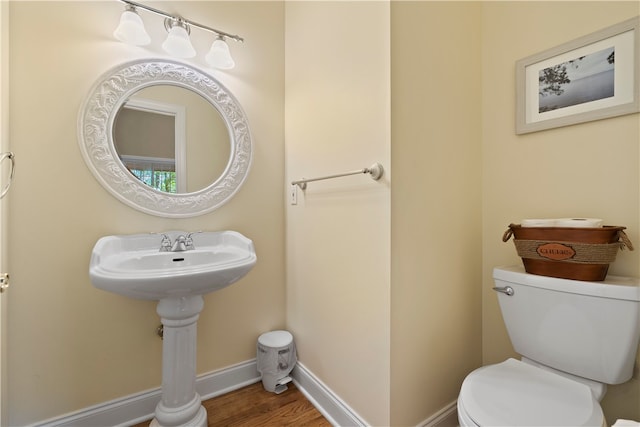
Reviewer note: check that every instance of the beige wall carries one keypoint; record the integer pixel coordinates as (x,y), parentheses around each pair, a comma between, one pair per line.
(387,295)
(590,169)
(436,221)
(337,120)
(71,345)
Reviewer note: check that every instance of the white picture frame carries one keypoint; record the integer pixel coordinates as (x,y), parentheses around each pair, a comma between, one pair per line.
(591,78)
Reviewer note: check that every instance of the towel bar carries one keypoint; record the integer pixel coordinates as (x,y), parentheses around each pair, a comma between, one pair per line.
(376,170)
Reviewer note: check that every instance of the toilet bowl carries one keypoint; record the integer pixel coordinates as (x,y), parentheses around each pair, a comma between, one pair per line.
(574,337)
(515,393)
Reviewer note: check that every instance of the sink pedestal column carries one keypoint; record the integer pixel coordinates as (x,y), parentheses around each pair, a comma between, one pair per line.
(180,404)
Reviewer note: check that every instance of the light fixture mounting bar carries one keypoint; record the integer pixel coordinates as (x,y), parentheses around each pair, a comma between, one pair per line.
(186,21)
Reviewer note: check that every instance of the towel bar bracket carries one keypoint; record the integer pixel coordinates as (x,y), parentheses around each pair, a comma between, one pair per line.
(376,170)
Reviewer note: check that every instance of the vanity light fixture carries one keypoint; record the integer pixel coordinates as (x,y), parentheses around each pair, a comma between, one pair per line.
(131,30)
(178,43)
(219,55)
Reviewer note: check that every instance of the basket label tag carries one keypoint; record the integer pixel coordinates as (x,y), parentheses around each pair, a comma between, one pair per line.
(555,251)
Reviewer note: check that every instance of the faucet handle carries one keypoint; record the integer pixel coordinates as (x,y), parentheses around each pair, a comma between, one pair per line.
(165,243)
(189,242)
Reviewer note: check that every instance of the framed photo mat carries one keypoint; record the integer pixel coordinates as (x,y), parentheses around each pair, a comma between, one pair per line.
(546,77)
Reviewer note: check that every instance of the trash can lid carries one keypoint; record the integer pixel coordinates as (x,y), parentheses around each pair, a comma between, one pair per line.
(276,338)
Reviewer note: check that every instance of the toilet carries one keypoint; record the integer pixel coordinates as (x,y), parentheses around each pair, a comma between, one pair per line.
(574,338)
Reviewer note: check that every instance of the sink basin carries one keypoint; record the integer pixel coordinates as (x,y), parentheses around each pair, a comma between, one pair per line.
(133,266)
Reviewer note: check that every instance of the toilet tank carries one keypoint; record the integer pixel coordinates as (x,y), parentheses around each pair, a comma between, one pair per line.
(588,329)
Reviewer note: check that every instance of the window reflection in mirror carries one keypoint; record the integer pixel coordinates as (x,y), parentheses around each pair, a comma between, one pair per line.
(172,139)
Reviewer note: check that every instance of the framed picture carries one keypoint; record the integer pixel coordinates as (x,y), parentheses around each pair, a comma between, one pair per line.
(590,78)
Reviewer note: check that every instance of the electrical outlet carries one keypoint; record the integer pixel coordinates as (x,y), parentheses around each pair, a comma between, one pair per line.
(293,195)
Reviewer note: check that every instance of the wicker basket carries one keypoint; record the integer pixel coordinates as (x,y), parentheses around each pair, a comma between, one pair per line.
(568,253)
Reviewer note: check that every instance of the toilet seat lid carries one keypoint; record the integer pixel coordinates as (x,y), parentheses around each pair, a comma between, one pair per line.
(513,393)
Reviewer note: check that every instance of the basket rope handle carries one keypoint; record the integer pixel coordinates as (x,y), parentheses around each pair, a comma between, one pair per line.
(625,242)
(507,234)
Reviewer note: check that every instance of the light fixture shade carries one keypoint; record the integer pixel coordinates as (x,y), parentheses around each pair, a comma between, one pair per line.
(219,55)
(178,43)
(131,29)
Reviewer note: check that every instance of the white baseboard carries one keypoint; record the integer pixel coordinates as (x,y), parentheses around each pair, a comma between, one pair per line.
(135,408)
(337,412)
(445,417)
(138,407)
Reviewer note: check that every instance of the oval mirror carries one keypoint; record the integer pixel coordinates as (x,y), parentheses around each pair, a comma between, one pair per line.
(165,138)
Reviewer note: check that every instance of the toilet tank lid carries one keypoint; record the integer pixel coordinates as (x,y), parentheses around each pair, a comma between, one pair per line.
(616,287)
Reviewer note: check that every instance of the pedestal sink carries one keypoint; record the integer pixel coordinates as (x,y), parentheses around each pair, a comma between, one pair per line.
(175,268)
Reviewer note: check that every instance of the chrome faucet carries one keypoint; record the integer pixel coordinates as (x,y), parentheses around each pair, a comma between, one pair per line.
(181,244)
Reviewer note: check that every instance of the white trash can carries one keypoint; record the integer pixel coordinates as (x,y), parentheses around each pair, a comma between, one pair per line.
(276,355)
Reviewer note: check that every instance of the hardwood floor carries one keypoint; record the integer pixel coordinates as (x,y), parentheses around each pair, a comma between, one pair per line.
(253,406)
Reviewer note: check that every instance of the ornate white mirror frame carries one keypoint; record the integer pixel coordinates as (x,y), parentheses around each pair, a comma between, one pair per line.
(95,137)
